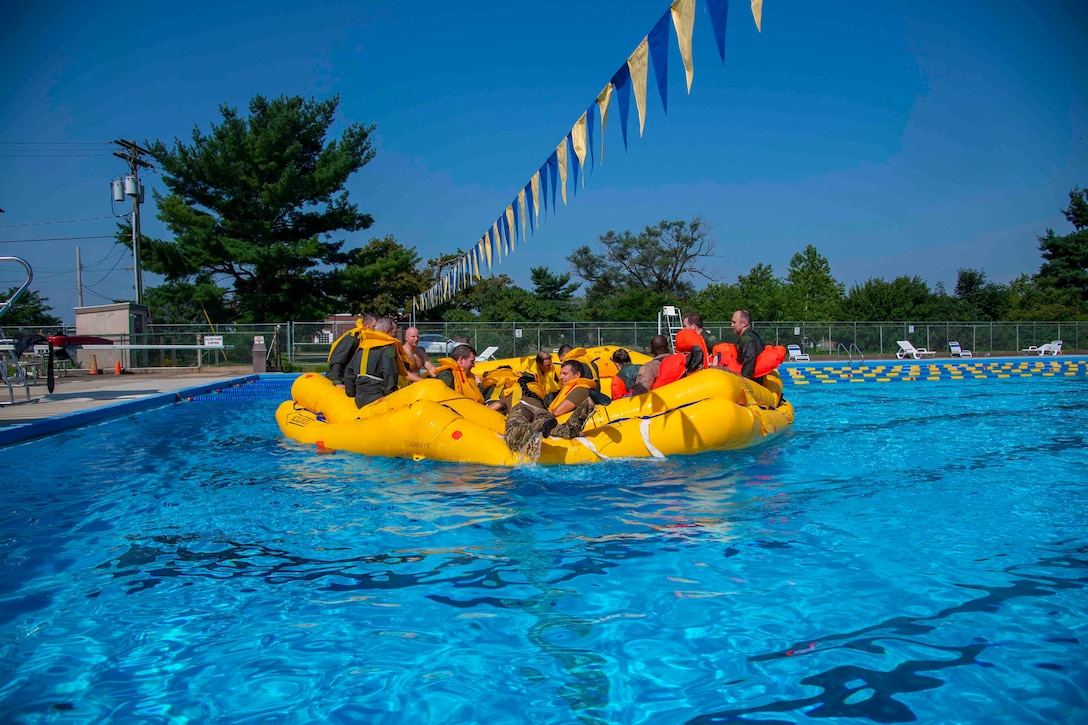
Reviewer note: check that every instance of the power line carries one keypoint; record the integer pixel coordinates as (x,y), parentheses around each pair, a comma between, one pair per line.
(59,221)
(54,143)
(51,154)
(55,239)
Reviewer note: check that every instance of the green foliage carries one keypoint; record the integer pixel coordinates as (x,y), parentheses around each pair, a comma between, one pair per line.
(1066,265)
(1030,301)
(496,299)
(982,300)
(660,260)
(550,286)
(381,278)
(812,293)
(554,291)
(904,298)
(30,310)
(759,292)
(627,305)
(256,202)
(180,302)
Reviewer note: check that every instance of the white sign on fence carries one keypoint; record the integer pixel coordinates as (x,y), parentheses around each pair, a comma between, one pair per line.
(213,341)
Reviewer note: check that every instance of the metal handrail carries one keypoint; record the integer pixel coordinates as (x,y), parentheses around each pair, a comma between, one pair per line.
(18,375)
(849,353)
(8,304)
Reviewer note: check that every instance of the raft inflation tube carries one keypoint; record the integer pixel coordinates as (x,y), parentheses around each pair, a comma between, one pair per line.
(709,410)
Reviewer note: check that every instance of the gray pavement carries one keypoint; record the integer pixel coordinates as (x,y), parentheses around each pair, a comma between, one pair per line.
(78,399)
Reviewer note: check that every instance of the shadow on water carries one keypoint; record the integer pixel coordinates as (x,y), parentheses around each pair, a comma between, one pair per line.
(858,692)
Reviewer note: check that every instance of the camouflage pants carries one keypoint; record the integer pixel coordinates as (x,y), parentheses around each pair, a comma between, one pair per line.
(527,420)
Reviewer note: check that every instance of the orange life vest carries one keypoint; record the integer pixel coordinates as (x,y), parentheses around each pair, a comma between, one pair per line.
(687,339)
(771,357)
(672,369)
(619,388)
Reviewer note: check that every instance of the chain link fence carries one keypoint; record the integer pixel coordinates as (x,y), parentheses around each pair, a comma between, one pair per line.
(305,345)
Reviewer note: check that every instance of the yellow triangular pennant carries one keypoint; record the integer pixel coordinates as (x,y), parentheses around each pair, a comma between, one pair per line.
(683,19)
(639,64)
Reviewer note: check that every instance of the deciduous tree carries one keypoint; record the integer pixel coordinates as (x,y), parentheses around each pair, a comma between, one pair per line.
(662,260)
(380,277)
(813,294)
(904,298)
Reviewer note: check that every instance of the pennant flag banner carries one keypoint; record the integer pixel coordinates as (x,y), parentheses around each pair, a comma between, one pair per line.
(521,217)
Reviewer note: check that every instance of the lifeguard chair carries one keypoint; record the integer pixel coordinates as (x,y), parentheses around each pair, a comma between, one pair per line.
(669,322)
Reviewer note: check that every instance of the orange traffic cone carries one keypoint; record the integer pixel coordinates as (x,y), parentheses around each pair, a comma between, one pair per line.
(94,366)
(117,368)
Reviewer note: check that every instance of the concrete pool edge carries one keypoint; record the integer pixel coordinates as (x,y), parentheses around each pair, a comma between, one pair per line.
(51,424)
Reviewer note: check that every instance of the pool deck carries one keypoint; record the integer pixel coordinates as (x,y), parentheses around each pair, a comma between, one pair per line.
(81,399)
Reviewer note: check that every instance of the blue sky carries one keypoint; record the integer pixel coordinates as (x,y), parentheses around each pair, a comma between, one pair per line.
(897,137)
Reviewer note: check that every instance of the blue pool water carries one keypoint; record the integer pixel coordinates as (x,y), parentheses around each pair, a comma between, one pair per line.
(911,552)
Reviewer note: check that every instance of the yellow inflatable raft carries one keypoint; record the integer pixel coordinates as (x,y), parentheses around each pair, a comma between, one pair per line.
(710,410)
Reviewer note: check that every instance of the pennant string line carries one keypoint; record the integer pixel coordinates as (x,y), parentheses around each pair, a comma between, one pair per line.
(522,215)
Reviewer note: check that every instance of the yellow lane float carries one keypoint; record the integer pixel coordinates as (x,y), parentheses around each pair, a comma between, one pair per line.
(710,410)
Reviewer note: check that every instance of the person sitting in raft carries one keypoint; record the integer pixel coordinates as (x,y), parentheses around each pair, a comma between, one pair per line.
(530,418)
(373,371)
(421,362)
(749,344)
(625,379)
(647,374)
(456,372)
(575,389)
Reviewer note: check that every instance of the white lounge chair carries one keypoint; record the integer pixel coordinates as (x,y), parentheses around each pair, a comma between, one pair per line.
(958,351)
(487,353)
(1050,348)
(908,350)
(795,352)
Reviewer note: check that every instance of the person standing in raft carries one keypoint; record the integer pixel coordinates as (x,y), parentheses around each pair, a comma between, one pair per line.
(694,321)
(749,344)
(647,374)
(373,371)
(343,349)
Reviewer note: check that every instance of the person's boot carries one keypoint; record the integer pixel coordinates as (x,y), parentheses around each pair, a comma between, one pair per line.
(576,422)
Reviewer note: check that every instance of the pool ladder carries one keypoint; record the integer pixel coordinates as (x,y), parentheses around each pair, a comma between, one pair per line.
(12,373)
(849,352)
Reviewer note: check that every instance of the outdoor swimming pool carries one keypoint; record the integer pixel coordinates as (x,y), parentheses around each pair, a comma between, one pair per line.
(909,552)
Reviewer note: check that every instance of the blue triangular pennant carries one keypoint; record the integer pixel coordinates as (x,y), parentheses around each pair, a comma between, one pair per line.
(719,11)
(659,53)
(553,169)
(622,83)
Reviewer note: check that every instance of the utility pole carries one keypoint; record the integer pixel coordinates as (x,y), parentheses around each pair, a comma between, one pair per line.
(79,277)
(134,155)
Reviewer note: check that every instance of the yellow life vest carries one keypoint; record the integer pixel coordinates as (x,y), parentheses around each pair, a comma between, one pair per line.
(503,383)
(373,338)
(581,355)
(547,382)
(462,384)
(569,388)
